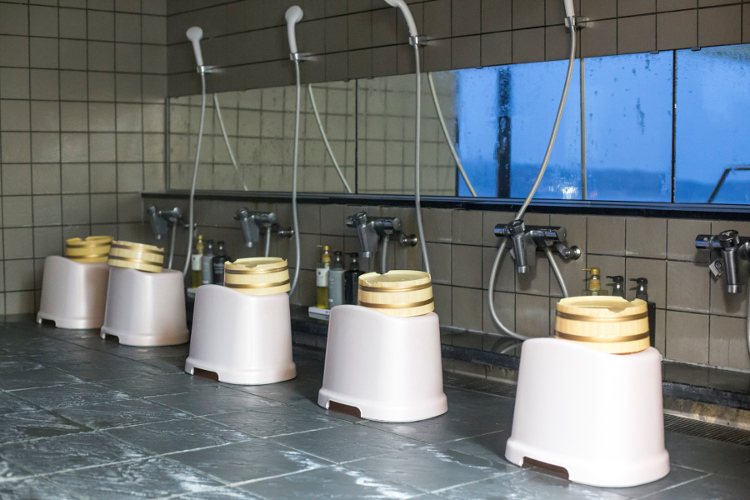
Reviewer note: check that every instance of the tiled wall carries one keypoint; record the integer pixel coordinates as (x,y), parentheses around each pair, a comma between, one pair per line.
(696,320)
(260,127)
(366,38)
(82,92)
(385,137)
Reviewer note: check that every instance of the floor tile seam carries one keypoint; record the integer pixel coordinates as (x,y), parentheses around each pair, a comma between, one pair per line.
(10,391)
(54,408)
(207,418)
(177,496)
(105,429)
(237,484)
(304,453)
(87,467)
(202,448)
(673,486)
(464,389)
(99,350)
(275,436)
(474,437)
(223,482)
(493,476)
(331,414)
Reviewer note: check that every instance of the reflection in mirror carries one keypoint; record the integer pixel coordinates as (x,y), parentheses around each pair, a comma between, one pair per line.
(386,136)
(260,128)
(713,125)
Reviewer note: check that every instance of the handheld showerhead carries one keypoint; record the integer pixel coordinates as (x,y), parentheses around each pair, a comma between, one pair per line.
(293,16)
(569,9)
(195,34)
(401,4)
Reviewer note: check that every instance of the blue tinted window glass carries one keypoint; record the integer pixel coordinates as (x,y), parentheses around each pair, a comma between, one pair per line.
(713,125)
(477,111)
(629,127)
(534,96)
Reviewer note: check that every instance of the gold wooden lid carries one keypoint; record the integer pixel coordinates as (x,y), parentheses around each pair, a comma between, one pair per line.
(257,275)
(397,293)
(92,249)
(609,324)
(137,256)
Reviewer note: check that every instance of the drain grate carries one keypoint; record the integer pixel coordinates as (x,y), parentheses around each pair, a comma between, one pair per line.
(696,428)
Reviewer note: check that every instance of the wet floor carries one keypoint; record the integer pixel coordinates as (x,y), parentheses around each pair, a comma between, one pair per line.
(81,417)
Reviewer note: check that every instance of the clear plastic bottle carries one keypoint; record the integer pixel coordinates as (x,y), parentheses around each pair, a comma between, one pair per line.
(321,279)
(195,263)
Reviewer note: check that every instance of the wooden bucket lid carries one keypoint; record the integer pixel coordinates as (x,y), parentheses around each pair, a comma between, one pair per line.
(609,324)
(397,293)
(257,275)
(89,249)
(138,256)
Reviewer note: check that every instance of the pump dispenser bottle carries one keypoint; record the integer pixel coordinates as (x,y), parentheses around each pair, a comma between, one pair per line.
(195,263)
(594,283)
(321,278)
(218,264)
(618,290)
(336,281)
(207,263)
(351,280)
(641,292)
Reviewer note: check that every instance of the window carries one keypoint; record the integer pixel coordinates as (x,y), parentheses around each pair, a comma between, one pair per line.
(713,125)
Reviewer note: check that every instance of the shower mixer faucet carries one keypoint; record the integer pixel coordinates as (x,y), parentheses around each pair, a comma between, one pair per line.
(370,229)
(161,219)
(256,223)
(526,239)
(733,247)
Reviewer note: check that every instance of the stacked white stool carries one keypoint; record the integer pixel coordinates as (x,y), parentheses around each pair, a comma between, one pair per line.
(145,305)
(74,288)
(243,331)
(383,357)
(595,414)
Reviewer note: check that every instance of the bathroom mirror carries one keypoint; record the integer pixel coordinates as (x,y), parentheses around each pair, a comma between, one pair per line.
(632,147)
(259,125)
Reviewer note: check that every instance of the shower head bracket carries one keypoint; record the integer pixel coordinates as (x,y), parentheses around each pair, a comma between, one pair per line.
(301,56)
(208,69)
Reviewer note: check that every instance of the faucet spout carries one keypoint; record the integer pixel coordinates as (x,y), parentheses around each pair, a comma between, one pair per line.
(526,240)
(252,223)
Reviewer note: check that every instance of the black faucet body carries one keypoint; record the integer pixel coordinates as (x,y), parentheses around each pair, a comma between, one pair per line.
(734,248)
(526,239)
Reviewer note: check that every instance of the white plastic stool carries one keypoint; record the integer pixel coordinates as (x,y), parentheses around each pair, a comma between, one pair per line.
(244,339)
(597,415)
(74,294)
(389,368)
(145,309)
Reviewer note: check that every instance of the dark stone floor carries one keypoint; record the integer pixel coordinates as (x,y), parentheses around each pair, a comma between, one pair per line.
(82,417)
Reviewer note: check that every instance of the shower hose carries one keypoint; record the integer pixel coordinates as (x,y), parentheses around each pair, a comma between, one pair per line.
(295,218)
(527,201)
(195,171)
(417,143)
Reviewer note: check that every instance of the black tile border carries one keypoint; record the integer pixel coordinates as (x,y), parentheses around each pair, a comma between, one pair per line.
(630,209)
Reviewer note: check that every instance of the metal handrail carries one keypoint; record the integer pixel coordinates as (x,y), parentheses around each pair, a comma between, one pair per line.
(727,171)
